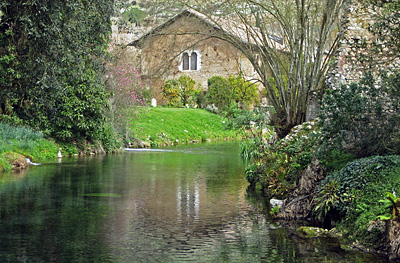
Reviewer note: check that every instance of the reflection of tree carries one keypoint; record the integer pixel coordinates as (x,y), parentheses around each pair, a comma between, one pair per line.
(44,217)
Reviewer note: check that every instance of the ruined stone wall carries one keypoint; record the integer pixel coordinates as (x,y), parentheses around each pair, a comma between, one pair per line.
(348,66)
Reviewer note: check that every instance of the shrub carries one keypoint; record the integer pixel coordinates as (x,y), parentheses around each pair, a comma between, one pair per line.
(243,91)
(238,118)
(279,164)
(223,93)
(128,93)
(363,118)
(180,92)
(359,187)
(219,92)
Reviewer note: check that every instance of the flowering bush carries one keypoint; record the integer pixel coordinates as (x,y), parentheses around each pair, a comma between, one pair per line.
(128,93)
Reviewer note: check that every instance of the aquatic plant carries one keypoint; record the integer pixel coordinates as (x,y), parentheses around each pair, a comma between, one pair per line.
(391,202)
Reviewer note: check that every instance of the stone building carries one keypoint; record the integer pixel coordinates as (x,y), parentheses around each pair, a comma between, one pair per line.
(188,44)
(357,42)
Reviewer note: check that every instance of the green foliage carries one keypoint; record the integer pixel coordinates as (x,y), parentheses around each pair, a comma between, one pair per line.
(50,59)
(26,142)
(254,173)
(179,92)
(251,148)
(239,118)
(327,199)
(8,133)
(219,92)
(5,166)
(367,175)
(334,159)
(354,193)
(391,202)
(134,15)
(362,119)
(244,91)
(386,27)
(274,211)
(224,93)
(277,166)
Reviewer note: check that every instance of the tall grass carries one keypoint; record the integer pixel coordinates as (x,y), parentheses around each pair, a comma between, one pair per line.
(8,133)
(26,142)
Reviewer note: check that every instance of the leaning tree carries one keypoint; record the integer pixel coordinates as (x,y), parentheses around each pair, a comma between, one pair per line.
(290,43)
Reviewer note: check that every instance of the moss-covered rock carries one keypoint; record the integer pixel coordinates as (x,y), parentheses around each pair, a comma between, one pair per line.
(16,160)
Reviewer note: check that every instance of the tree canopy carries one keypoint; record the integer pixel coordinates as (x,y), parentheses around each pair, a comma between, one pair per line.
(51,65)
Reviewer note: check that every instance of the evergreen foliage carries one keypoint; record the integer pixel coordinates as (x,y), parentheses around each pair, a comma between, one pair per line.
(219,92)
(363,118)
(224,92)
(351,196)
(51,67)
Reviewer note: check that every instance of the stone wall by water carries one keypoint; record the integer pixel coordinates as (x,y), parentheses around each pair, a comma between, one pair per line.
(348,67)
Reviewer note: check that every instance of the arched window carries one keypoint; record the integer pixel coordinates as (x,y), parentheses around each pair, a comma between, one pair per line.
(193,61)
(185,58)
(190,61)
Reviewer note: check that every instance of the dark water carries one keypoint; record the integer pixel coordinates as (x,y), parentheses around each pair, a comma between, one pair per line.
(188,204)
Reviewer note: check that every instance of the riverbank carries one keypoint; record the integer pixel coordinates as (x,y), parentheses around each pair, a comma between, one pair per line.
(155,127)
(336,190)
(19,143)
(171,126)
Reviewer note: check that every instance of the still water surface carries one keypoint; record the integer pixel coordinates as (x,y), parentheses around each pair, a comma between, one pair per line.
(186,204)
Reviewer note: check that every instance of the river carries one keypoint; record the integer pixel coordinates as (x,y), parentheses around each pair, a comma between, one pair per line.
(183,204)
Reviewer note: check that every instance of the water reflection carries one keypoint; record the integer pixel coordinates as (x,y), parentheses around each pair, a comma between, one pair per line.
(188,204)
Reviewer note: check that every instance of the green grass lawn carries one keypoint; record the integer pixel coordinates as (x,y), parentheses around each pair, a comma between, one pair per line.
(165,126)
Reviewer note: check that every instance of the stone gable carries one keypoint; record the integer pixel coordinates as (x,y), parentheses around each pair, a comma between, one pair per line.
(161,53)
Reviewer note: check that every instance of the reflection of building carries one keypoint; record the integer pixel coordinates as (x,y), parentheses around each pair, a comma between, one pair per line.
(174,203)
(188,201)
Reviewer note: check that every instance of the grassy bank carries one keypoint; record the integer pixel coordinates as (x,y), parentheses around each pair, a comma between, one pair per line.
(17,143)
(167,126)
